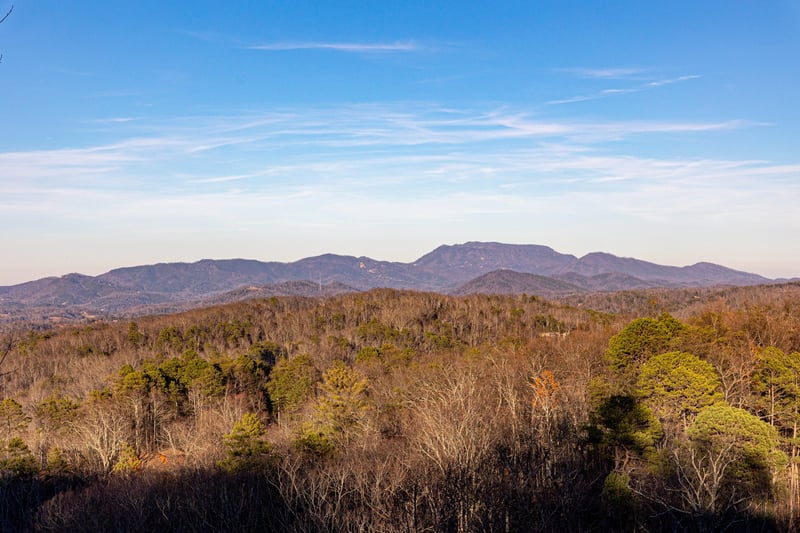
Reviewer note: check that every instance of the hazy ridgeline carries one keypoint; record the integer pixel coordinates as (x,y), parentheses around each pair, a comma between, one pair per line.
(406,411)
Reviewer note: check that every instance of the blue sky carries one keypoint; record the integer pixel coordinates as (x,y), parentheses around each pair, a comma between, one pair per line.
(144,132)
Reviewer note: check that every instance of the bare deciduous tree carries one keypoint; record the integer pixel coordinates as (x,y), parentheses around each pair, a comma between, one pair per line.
(102,431)
(455,417)
(701,477)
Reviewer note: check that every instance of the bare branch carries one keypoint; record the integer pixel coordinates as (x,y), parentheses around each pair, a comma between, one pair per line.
(7,14)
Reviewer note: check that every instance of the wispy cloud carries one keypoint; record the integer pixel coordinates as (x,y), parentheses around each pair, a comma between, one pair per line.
(404,154)
(669,81)
(389,140)
(113,120)
(606,93)
(303,160)
(225,179)
(360,48)
(408,45)
(606,73)
(575,99)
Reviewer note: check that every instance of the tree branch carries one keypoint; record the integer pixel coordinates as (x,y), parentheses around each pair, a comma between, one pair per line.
(7,14)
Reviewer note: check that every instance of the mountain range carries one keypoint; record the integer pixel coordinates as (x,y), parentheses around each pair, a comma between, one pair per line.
(473,267)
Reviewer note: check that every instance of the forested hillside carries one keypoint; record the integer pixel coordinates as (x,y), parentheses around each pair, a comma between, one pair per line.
(405,411)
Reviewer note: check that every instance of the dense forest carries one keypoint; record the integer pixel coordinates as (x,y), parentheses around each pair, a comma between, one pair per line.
(405,411)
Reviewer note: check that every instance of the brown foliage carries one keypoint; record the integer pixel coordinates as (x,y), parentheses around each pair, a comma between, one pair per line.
(476,419)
